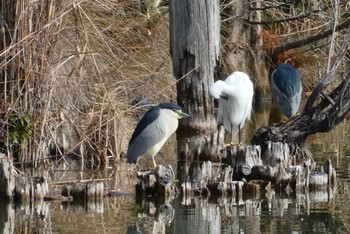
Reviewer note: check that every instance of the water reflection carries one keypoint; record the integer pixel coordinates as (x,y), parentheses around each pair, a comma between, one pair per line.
(276,213)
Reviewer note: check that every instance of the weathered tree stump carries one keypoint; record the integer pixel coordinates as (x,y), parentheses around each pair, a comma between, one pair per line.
(278,166)
(31,189)
(84,191)
(283,146)
(242,159)
(156,182)
(7,177)
(206,179)
(19,187)
(195,46)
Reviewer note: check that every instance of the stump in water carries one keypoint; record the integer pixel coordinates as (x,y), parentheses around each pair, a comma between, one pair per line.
(84,191)
(278,166)
(285,144)
(31,188)
(243,159)
(157,181)
(207,179)
(19,187)
(210,179)
(7,177)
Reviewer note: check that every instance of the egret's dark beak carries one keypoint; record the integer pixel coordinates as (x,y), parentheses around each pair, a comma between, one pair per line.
(224,97)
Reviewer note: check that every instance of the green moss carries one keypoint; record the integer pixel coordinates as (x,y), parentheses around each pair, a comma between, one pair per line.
(20,128)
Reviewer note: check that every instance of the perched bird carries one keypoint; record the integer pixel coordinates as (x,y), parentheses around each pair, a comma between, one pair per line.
(152,4)
(286,88)
(235,104)
(154,128)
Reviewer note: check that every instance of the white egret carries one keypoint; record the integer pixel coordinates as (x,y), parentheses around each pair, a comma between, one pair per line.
(152,4)
(235,96)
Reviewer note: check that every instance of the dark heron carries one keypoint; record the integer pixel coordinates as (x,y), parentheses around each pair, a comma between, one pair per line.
(286,88)
(153,130)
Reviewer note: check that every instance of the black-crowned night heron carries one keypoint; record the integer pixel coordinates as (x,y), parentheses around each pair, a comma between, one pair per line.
(286,88)
(155,127)
(235,104)
(152,4)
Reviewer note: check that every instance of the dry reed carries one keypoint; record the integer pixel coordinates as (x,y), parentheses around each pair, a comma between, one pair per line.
(71,70)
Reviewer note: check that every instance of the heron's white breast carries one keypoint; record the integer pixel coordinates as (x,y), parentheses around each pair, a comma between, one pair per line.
(168,122)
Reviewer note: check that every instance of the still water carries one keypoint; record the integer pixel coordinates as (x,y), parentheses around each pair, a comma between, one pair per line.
(325,211)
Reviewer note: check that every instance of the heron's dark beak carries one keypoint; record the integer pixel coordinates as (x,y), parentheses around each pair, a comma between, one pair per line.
(183,114)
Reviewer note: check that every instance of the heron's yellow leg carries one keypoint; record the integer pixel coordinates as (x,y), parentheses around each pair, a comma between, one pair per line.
(154,162)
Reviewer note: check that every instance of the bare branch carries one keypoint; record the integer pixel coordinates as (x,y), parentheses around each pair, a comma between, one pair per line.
(268,5)
(296,44)
(268,23)
(334,20)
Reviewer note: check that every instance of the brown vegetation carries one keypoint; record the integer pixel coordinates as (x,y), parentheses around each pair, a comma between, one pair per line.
(70,71)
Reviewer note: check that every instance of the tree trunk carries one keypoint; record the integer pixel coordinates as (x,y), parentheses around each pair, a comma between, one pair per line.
(242,47)
(195,45)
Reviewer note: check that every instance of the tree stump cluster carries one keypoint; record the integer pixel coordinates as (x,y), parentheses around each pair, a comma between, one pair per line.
(245,170)
(23,188)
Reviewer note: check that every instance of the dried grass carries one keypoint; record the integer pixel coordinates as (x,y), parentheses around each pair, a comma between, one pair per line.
(78,66)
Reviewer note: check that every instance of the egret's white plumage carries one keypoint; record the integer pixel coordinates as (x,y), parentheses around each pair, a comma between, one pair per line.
(236,98)
(152,4)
